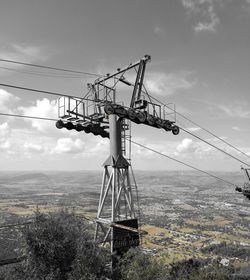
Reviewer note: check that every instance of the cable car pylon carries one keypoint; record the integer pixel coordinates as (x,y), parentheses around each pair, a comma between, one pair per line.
(117,224)
(100,113)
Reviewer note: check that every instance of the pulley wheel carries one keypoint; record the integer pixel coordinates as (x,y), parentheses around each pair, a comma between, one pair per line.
(69,125)
(141,116)
(79,127)
(60,124)
(159,122)
(109,109)
(121,112)
(87,128)
(131,114)
(175,130)
(151,120)
(167,126)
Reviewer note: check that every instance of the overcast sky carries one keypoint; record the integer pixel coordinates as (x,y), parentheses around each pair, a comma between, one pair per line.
(200,53)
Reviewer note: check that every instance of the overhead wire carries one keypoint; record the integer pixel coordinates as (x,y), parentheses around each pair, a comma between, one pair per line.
(116,82)
(93,74)
(199,126)
(81,72)
(181,162)
(48,67)
(59,94)
(42,91)
(64,95)
(42,74)
(194,135)
(138,144)
(212,145)
(27,117)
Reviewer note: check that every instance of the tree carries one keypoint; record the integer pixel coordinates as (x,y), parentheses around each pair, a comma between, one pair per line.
(59,247)
(199,270)
(135,265)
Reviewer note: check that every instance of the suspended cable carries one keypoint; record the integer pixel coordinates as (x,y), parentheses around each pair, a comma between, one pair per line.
(27,117)
(196,124)
(217,137)
(138,144)
(181,162)
(226,153)
(49,67)
(59,94)
(194,135)
(42,74)
(87,73)
(42,91)
(180,127)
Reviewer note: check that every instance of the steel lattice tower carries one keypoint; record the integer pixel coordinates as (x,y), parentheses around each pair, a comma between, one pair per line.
(100,112)
(115,222)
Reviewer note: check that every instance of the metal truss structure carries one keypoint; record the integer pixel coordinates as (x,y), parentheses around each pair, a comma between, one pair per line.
(89,114)
(101,113)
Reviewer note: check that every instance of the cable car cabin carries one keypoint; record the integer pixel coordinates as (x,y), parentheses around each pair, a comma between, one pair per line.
(246,187)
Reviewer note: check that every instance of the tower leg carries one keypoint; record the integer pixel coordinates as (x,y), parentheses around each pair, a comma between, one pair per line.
(116,221)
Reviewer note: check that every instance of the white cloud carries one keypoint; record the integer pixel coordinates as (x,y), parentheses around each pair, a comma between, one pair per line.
(100,147)
(189,148)
(6,100)
(4,130)
(5,133)
(166,84)
(158,30)
(186,146)
(193,129)
(33,148)
(44,108)
(165,147)
(204,12)
(235,111)
(21,53)
(30,52)
(68,145)
(236,127)
(207,26)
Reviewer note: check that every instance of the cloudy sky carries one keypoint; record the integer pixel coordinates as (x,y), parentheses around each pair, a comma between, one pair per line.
(200,61)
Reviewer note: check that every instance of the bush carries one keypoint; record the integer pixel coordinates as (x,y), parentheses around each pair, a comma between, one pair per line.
(199,270)
(59,247)
(137,266)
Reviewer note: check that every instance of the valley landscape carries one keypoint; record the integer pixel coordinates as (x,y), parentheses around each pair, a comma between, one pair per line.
(183,214)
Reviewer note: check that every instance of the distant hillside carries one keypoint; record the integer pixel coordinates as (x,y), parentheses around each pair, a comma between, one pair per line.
(24,177)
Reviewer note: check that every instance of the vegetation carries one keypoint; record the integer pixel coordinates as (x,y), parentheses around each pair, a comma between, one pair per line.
(199,270)
(229,250)
(58,247)
(193,222)
(137,266)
